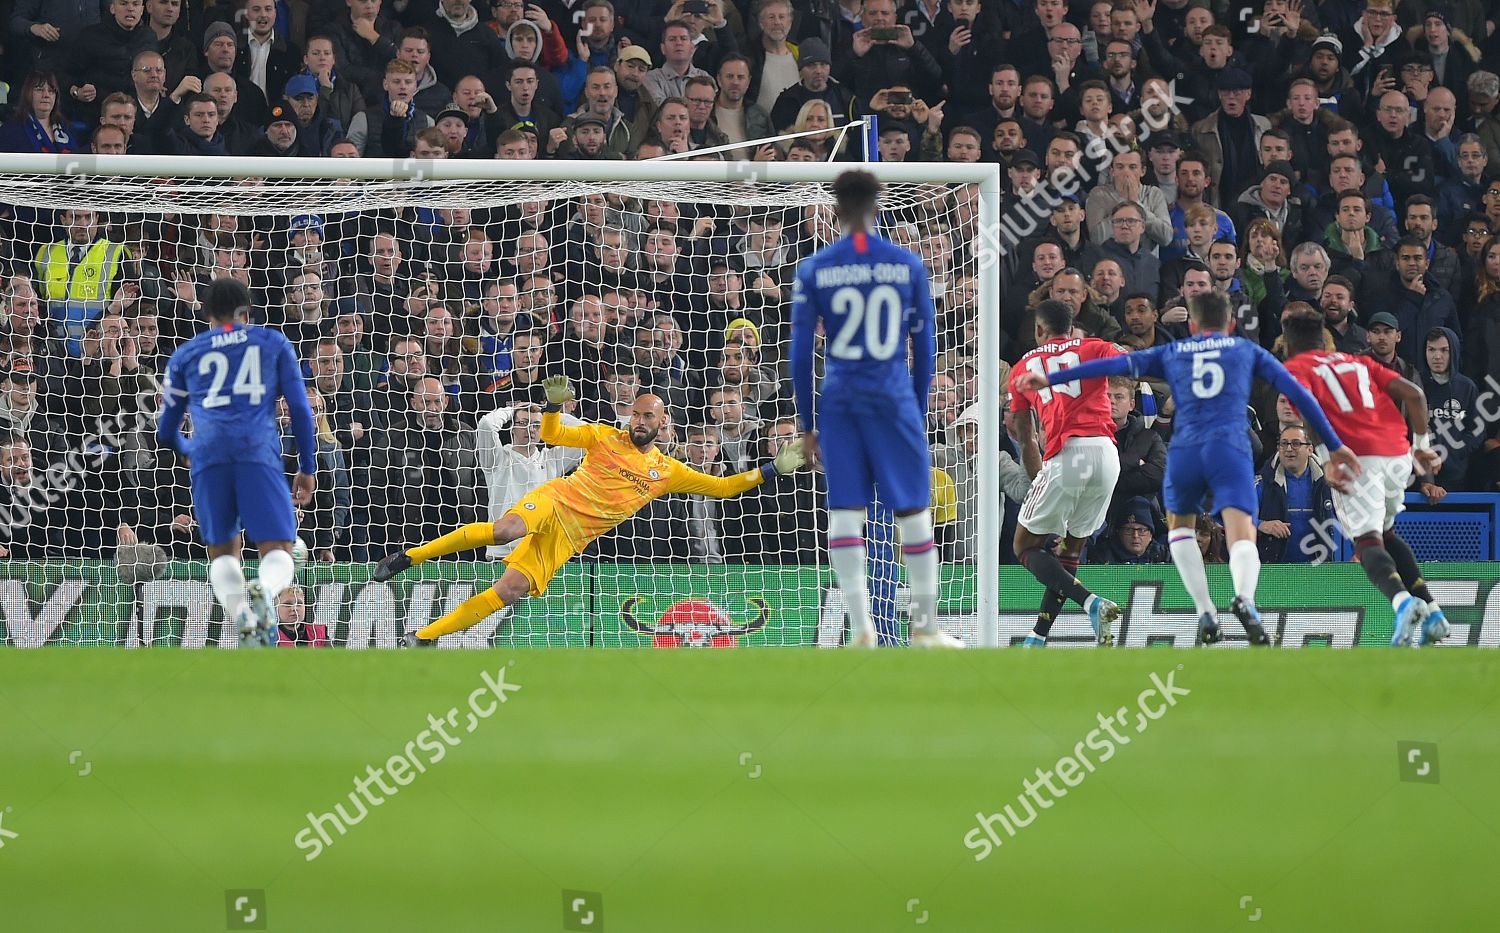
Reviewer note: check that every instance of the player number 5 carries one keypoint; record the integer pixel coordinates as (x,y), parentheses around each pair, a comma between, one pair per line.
(883,335)
(1208,376)
(247,381)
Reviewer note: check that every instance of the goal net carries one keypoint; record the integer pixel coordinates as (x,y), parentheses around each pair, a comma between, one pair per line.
(427,300)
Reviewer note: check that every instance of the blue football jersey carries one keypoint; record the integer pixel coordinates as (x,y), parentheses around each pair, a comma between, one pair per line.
(230,378)
(1211,376)
(870,296)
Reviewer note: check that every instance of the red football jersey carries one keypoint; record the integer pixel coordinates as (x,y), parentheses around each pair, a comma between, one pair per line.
(1352,391)
(1068,409)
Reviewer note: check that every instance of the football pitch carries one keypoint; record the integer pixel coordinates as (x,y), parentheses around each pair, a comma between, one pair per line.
(756,790)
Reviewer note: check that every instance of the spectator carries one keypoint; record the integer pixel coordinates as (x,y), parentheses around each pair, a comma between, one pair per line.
(39,124)
(389,129)
(292,628)
(1419,303)
(1127,173)
(81,274)
(1337,302)
(1421,225)
(1384,336)
(266,59)
(1143,455)
(317,130)
(220,53)
(41,526)
(1133,538)
(1229,138)
(1127,247)
(240,137)
(338,95)
(775,523)
(1141,328)
(1295,501)
(1482,337)
(814,71)
(1211,541)
(1460,196)
(422,472)
(199,133)
(324,523)
(364,42)
(1457,426)
(738,432)
(510,453)
(1271,199)
(99,58)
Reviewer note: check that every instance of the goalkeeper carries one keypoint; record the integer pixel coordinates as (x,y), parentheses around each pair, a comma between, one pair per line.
(621,472)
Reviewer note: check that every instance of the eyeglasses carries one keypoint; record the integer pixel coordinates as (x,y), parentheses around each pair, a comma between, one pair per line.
(1293,445)
(1127,221)
(1383,14)
(1476,233)
(152,71)
(1125,55)
(700,101)
(1067,41)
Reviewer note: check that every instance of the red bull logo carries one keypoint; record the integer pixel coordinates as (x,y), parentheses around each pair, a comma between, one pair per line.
(694,623)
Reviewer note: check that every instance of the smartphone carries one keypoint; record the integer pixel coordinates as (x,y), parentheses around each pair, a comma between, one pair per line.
(898,97)
(885,33)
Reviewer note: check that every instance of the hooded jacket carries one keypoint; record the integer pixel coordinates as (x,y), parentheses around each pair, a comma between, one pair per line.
(1455,422)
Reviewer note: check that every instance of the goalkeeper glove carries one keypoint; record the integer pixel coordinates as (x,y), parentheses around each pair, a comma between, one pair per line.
(790,458)
(558,391)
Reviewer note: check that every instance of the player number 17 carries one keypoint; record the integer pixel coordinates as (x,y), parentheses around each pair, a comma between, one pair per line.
(1330,376)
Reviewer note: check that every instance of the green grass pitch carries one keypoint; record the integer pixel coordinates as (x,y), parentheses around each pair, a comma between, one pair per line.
(755,790)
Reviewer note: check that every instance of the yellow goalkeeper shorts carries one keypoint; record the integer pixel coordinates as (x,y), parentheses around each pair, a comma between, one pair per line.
(546,547)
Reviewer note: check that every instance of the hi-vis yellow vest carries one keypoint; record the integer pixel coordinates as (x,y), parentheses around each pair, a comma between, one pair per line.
(74,301)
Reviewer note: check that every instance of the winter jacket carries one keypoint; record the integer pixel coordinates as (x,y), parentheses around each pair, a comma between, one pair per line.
(1271,485)
(1418,315)
(1249,207)
(378,135)
(101,55)
(1205,138)
(363,62)
(461,51)
(1143,460)
(1142,270)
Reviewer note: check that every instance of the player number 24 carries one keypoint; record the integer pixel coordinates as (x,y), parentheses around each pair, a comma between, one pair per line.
(247,381)
(882,333)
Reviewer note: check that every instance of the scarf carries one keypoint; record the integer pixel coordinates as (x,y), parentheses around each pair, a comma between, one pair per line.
(49,138)
(463,25)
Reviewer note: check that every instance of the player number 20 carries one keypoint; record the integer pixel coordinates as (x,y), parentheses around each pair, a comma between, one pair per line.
(882,334)
(247,381)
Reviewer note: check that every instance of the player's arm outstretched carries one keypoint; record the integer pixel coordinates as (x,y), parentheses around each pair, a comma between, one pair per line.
(289,376)
(688,480)
(1140,363)
(1269,368)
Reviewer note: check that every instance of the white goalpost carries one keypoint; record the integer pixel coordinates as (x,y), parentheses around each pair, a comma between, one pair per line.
(426,299)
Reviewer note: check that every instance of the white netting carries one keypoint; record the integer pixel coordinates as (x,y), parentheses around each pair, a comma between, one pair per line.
(426,314)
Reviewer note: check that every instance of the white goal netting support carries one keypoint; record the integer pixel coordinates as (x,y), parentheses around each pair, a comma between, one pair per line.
(427,300)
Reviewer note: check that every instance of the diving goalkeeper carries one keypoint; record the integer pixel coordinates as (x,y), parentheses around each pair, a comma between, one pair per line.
(621,472)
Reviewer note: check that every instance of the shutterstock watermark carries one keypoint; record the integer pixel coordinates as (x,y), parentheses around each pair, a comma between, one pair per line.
(1105,740)
(1034,211)
(484,701)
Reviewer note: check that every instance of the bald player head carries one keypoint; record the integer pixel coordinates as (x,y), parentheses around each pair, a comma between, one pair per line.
(647,416)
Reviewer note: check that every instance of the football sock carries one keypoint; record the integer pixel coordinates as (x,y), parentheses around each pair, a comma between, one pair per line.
(1381,569)
(1189,561)
(846,554)
(276,573)
(227,578)
(1045,566)
(1244,568)
(471,611)
(919,552)
(467,538)
(1052,603)
(1407,566)
(1070,564)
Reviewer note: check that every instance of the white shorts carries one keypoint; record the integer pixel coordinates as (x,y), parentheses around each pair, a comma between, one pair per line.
(1072,493)
(1375,497)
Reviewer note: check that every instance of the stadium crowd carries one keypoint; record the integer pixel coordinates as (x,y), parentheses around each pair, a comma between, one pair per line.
(1336,154)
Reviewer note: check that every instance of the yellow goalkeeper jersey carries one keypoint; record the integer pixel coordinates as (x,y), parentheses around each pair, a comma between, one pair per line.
(616,480)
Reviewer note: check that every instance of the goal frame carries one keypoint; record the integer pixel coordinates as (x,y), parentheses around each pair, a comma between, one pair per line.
(985,175)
